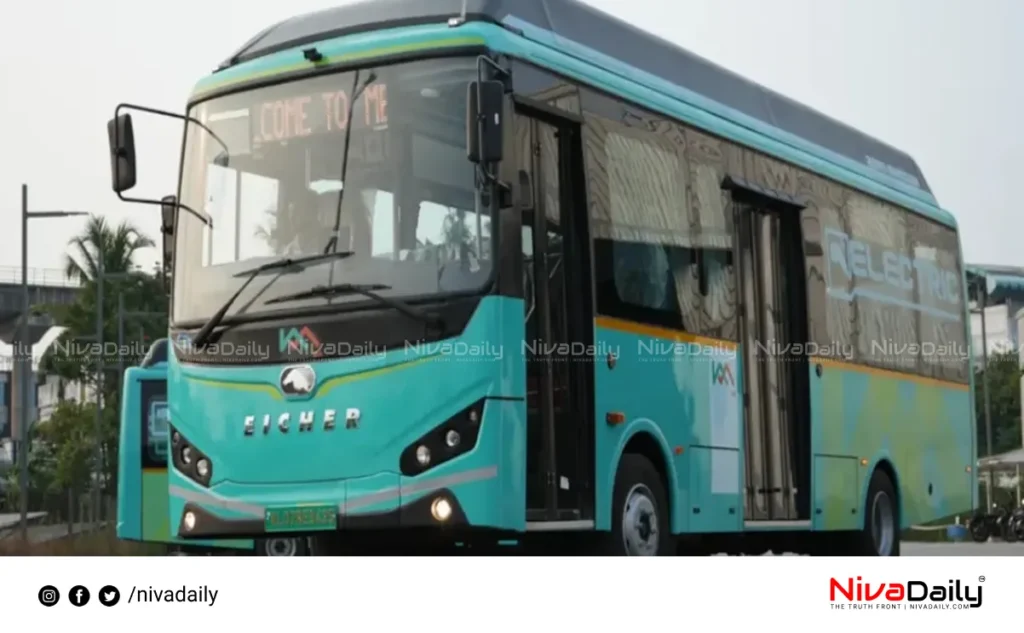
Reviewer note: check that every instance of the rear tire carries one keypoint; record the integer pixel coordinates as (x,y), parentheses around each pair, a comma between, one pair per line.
(640,512)
(880,535)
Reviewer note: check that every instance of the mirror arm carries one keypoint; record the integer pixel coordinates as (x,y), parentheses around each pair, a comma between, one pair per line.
(174,115)
(201,216)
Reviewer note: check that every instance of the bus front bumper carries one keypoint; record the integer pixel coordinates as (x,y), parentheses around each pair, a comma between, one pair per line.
(384,500)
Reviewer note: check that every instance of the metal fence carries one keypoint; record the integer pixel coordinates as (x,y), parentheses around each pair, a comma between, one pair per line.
(53,277)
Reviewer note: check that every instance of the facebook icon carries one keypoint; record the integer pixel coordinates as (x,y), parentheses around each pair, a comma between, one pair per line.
(79,596)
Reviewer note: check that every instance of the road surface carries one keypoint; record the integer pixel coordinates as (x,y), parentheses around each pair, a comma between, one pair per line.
(996,548)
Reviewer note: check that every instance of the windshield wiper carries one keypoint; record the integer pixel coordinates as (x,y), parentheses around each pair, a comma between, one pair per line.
(287,264)
(367,290)
(357,92)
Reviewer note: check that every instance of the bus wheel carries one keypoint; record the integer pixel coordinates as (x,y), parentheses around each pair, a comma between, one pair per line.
(881,533)
(640,523)
(282,547)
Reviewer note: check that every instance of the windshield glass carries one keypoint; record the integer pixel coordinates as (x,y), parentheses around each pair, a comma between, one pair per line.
(274,179)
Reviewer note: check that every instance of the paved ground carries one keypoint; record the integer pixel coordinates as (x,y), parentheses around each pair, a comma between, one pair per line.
(11,520)
(963,549)
(42,533)
(997,548)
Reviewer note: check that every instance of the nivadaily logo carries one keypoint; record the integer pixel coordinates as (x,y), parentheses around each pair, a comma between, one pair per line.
(910,594)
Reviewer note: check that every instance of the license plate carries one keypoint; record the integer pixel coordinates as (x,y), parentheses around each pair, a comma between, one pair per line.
(301,518)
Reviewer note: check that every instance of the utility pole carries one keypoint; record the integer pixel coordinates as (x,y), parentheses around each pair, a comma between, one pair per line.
(983,303)
(98,424)
(23,355)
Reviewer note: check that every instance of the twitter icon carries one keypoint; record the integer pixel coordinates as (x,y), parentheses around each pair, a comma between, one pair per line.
(109,596)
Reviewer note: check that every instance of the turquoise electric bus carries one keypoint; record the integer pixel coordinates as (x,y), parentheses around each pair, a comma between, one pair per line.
(478,270)
(142,474)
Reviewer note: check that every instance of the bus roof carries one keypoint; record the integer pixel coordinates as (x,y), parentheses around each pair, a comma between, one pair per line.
(593,29)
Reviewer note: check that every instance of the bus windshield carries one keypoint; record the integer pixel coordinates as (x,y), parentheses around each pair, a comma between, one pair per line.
(371,162)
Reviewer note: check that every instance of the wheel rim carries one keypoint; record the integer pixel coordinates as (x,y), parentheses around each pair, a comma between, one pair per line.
(883,524)
(280,547)
(640,527)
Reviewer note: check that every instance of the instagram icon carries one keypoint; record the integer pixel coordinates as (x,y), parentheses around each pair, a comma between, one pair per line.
(49,596)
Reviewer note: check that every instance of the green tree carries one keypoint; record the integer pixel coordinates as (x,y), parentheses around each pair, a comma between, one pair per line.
(40,476)
(77,355)
(1004,394)
(67,438)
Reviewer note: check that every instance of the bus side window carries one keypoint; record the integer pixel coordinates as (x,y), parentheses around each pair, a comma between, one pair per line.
(157,427)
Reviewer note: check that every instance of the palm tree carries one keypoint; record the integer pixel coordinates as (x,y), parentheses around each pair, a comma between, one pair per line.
(100,241)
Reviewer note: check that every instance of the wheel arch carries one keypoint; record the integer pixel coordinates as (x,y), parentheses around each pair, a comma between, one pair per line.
(642,437)
(884,465)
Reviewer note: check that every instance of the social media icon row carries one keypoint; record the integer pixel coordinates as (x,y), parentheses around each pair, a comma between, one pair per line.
(79,596)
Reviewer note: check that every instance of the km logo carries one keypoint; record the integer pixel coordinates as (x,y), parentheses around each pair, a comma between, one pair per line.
(299,340)
(722,374)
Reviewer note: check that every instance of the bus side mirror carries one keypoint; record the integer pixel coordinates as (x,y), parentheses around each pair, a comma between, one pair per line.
(168,208)
(121,137)
(168,205)
(484,121)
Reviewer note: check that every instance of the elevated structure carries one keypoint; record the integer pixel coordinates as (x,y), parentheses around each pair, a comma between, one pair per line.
(46,286)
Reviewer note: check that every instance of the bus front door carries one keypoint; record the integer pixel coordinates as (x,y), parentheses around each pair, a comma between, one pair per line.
(559,322)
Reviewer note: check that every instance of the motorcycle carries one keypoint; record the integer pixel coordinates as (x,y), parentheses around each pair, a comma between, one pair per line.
(986,524)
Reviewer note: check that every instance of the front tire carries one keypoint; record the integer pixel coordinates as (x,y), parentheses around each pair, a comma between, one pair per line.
(282,546)
(640,511)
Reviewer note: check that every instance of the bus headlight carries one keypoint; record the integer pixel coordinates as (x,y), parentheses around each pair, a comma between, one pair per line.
(441,510)
(454,437)
(189,460)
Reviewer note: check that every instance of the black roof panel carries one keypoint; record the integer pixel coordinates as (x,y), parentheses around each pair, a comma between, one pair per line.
(610,36)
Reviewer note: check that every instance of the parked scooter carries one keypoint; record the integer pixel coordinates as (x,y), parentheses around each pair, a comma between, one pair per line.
(986,524)
(1002,522)
(1015,525)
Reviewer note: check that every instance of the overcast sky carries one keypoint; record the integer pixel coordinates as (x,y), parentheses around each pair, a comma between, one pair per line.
(937,78)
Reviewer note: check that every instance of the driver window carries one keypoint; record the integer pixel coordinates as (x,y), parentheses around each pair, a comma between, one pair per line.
(220,206)
(240,206)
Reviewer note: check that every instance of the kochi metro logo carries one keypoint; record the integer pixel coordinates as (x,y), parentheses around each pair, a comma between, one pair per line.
(721,374)
(300,341)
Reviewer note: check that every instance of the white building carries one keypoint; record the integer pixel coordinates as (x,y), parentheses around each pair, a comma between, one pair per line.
(1004,329)
(47,392)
